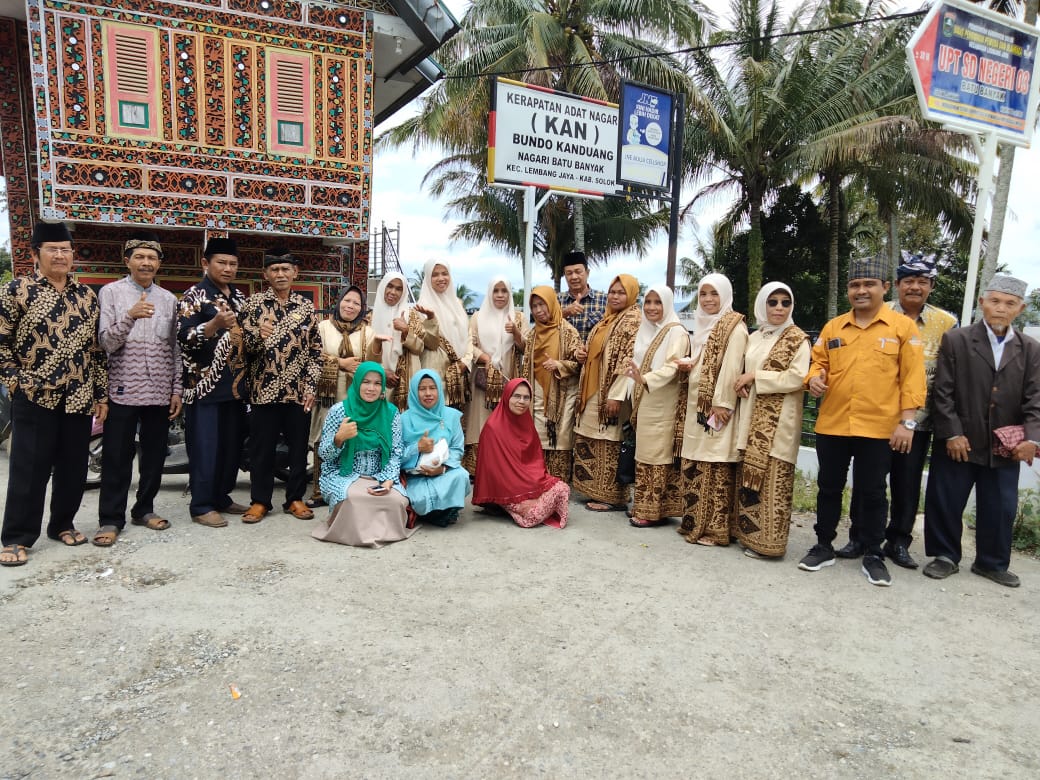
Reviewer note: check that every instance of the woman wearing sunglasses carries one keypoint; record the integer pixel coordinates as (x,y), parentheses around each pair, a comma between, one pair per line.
(770,422)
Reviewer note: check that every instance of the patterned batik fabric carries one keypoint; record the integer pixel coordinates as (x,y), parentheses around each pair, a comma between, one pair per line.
(48,344)
(469,459)
(284,367)
(595,470)
(213,363)
(559,463)
(710,501)
(764,516)
(553,504)
(659,492)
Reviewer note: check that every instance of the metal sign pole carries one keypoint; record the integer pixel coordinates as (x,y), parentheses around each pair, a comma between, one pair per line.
(987,162)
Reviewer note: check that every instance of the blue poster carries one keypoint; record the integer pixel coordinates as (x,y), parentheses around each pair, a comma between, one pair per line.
(645,136)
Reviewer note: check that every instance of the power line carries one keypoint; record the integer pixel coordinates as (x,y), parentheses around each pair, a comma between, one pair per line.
(693,49)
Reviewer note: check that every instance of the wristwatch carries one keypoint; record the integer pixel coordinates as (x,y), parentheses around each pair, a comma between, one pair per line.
(910,425)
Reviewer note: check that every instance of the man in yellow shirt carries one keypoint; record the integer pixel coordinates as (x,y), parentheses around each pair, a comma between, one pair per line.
(868,367)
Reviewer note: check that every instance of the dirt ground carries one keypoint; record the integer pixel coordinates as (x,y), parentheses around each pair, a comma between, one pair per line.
(485,650)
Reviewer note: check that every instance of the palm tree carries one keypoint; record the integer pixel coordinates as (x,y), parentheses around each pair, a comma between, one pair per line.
(466,295)
(558,44)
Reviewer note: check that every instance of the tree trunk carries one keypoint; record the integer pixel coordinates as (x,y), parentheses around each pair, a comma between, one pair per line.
(754,271)
(834,217)
(893,242)
(579,225)
(1006,154)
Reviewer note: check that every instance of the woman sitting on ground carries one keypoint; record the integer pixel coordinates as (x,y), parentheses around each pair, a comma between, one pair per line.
(361,446)
(436,484)
(511,470)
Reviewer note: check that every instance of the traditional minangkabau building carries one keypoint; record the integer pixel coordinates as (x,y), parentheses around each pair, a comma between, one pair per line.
(198,118)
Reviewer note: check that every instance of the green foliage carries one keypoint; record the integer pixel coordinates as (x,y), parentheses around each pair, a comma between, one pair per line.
(1025,536)
(5,261)
(805,495)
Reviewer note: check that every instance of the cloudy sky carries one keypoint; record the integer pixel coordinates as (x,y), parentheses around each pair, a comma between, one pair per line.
(398,197)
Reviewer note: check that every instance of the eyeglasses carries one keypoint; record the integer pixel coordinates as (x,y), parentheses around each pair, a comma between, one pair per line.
(61,250)
(773,302)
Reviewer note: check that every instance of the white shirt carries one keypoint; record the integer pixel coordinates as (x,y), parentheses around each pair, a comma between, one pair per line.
(997,344)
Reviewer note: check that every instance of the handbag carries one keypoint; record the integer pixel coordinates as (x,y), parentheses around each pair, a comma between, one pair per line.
(1005,440)
(480,376)
(626,464)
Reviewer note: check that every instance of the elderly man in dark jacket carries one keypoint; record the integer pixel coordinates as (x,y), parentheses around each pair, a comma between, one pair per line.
(987,377)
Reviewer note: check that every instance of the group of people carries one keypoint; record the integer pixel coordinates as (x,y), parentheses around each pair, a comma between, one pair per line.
(406,404)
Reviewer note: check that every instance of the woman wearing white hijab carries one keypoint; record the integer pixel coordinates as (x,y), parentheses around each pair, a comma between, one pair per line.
(399,336)
(658,393)
(497,344)
(446,319)
(770,423)
(709,448)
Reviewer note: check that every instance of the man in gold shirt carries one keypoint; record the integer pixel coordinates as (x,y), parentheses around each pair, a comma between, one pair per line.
(868,367)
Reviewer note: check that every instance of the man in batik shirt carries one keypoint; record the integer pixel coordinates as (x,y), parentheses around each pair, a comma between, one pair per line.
(284,349)
(55,370)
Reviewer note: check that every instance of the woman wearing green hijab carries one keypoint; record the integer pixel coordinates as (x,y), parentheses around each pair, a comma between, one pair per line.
(361,446)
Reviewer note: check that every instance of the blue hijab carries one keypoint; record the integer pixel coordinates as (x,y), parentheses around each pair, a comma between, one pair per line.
(437,422)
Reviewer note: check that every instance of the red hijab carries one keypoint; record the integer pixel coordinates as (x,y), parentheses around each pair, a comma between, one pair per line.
(510,464)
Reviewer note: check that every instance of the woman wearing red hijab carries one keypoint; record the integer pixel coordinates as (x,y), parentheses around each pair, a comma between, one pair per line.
(511,468)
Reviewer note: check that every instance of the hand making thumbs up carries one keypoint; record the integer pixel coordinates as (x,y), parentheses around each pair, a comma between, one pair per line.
(425,443)
(142,309)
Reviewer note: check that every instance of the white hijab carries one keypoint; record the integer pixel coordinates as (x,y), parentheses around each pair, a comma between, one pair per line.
(383,316)
(704,322)
(446,307)
(491,324)
(761,314)
(648,330)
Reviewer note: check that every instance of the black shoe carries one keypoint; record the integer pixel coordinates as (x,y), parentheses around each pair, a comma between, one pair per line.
(940,569)
(817,557)
(899,555)
(876,571)
(852,550)
(1005,578)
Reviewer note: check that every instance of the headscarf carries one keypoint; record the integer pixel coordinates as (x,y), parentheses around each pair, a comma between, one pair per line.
(761,314)
(374,420)
(704,322)
(491,324)
(383,319)
(346,327)
(648,330)
(447,308)
(510,464)
(546,337)
(418,421)
(590,378)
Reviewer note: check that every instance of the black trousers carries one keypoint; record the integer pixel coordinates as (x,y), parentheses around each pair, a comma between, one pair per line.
(117,460)
(996,504)
(904,481)
(214,434)
(44,442)
(870,460)
(266,422)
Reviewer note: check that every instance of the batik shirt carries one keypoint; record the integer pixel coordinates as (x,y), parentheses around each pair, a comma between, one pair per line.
(49,347)
(932,322)
(595,303)
(214,368)
(284,367)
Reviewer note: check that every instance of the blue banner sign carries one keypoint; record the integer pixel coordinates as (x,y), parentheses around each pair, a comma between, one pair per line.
(645,136)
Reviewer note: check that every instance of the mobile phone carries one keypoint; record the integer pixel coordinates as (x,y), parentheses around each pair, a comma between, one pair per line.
(380,489)
(715,423)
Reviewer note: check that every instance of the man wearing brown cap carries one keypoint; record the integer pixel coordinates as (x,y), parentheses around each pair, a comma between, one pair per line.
(214,383)
(868,367)
(987,385)
(52,363)
(284,348)
(138,331)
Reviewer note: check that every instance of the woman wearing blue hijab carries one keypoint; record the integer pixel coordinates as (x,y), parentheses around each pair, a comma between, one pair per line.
(433,448)
(360,452)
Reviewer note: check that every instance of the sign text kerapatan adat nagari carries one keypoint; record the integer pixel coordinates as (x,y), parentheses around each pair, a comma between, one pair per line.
(552,139)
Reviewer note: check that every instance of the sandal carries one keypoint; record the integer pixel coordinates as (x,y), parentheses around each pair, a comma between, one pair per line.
(152,521)
(635,522)
(20,553)
(599,506)
(70,537)
(316,502)
(106,536)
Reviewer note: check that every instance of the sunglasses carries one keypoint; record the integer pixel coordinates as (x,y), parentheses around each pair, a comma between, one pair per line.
(786,302)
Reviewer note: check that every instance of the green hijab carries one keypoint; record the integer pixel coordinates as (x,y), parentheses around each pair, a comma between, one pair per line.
(374,420)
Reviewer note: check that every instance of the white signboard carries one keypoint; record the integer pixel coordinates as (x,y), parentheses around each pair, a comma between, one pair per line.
(545,138)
